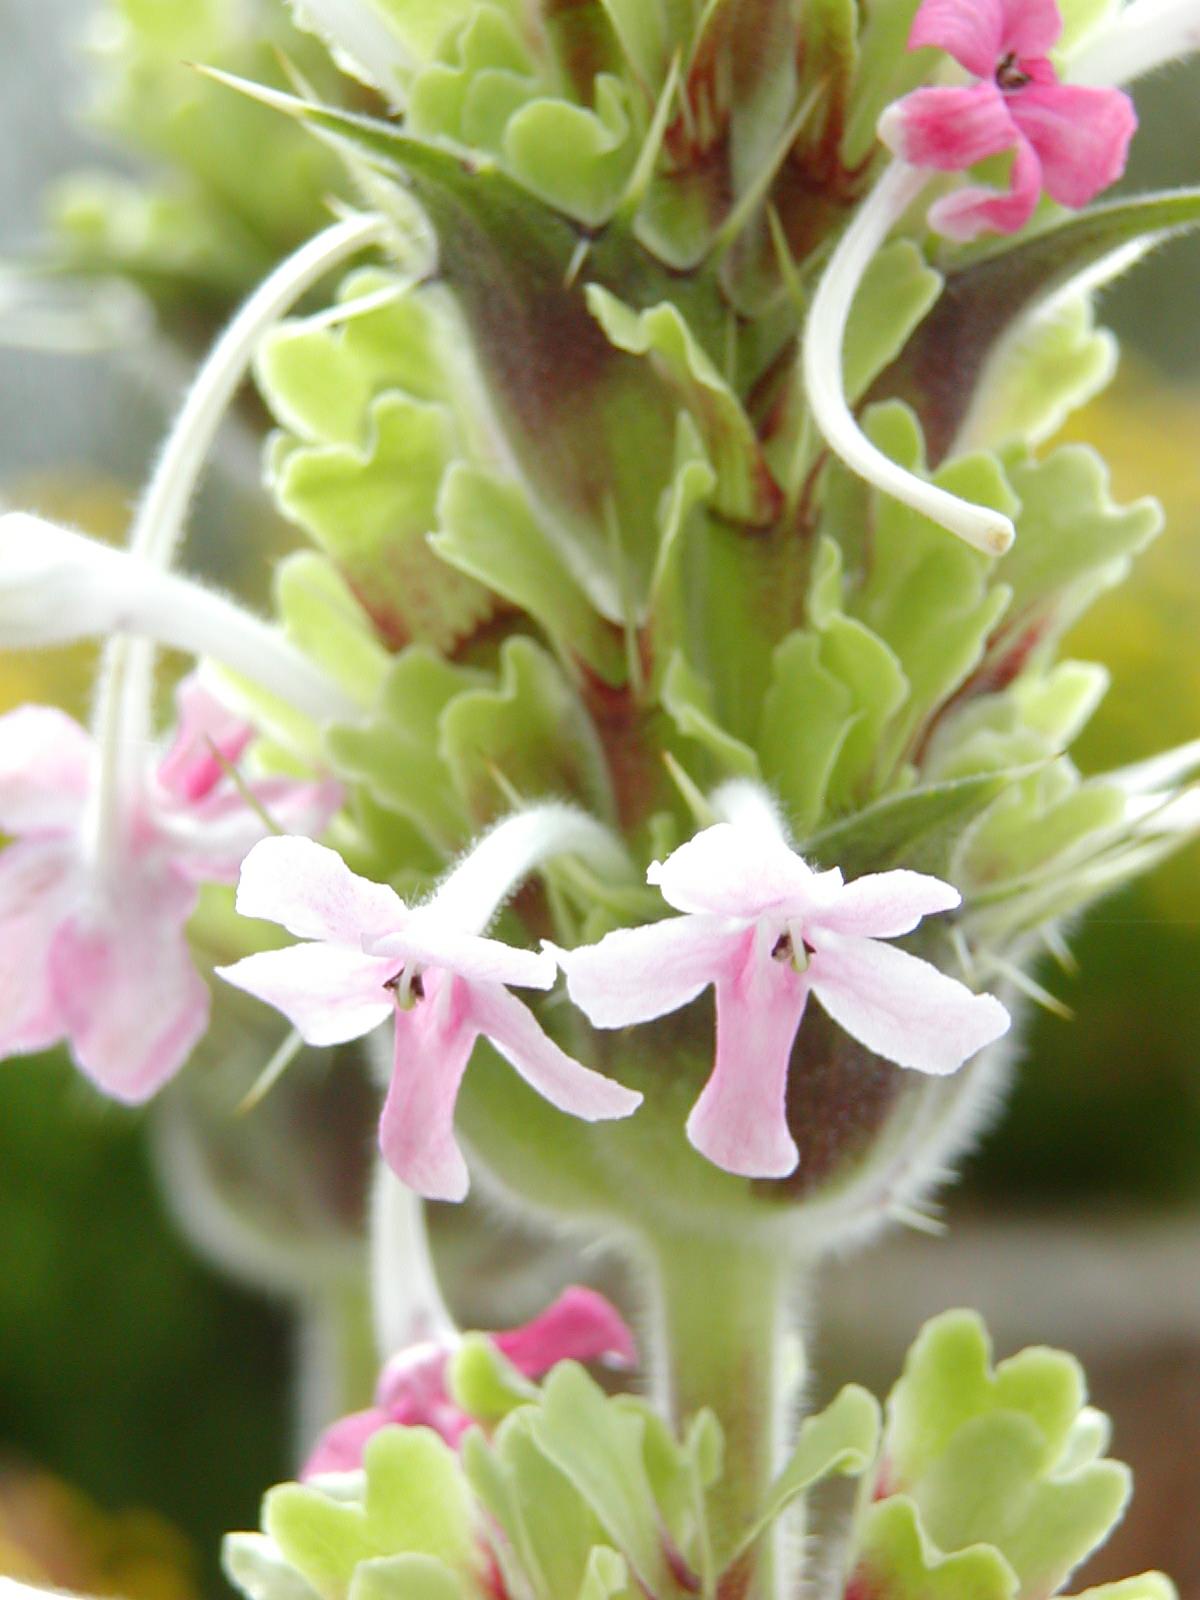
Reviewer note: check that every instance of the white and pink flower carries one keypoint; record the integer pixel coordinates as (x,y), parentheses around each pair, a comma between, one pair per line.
(98,954)
(372,958)
(766,932)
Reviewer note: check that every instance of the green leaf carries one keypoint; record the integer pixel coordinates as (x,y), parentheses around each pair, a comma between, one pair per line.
(396,755)
(575,159)
(807,715)
(1072,541)
(253,1564)
(982,300)
(549,1525)
(948,1380)
(840,1441)
(607,1576)
(405,1578)
(321,617)
(1043,1524)
(483,1383)
(1054,361)
(927,595)
(599,1448)
(416,1503)
(372,510)
(745,490)
(1149,1586)
(896,292)
(688,701)
(894,1557)
(918,827)
(489,531)
(867,666)
(530,735)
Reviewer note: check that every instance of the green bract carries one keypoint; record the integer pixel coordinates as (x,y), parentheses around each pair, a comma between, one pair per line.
(985,1484)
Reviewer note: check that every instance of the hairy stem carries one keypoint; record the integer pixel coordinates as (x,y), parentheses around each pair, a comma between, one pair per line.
(719,1344)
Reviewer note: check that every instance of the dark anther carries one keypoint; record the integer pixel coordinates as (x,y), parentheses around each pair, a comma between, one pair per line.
(783,948)
(1009,75)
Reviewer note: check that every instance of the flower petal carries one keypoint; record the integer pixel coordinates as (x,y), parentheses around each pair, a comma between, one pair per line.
(328,992)
(1030,27)
(416,1132)
(972,31)
(132,1002)
(40,882)
(581,1325)
(340,1448)
(948,129)
(901,1007)
(311,891)
(740,1120)
(566,1083)
(637,974)
(208,737)
(211,840)
(429,942)
(882,905)
(45,770)
(1081,136)
(975,208)
(731,871)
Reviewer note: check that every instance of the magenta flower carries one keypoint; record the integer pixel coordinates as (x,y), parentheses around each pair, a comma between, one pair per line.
(580,1326)
(767,931)
(101,959)
(373,957)
(1068,139)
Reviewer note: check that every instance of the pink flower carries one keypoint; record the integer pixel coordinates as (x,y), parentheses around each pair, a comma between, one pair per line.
(1067,139)
(766,931)
(580,1326)
(372,957)
(102,960)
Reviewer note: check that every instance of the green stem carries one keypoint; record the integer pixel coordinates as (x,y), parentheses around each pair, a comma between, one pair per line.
(720,1327)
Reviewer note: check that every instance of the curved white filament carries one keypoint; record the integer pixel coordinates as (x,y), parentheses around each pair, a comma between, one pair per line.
(824,336)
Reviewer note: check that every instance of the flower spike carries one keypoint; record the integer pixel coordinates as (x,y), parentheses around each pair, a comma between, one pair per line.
(824,336)
(766,931)
(372,957)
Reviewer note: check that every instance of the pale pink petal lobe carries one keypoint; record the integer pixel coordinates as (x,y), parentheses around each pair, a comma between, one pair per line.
(882,905)
(123,977)
(40,881)
(416,1132)
(212,838)
(901,1007)
(329,993)
(426,942)
(1030,27)
(45,769)
(972,31)
(1081,136)
(974,209)
(636,974)
(740,1120)
(208,739)
(311,891)
(731,872)
(949,129)
(581,1325)
(566,1083)
(340,1447)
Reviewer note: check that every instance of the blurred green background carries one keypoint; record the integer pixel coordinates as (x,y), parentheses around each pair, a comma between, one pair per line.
(134,1373)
